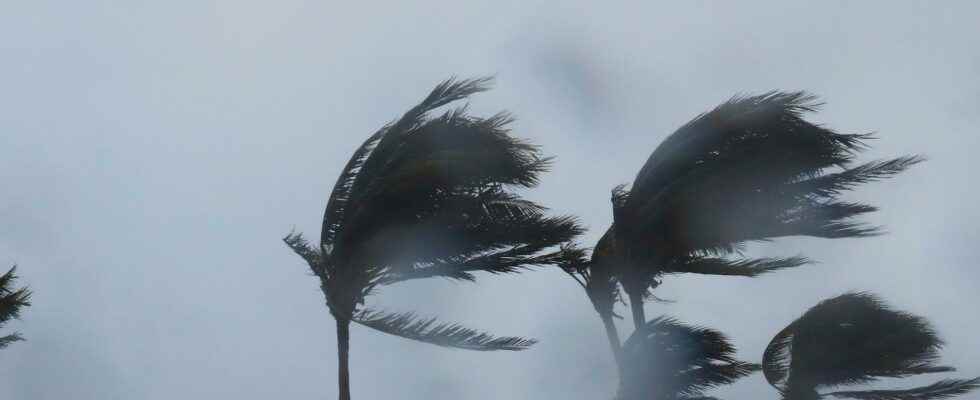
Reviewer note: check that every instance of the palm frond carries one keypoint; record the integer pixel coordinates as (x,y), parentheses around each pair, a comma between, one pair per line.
(940,390)
(513,260)
(302,247)
(428,330)
(830,185)
(452,90)
(8,339)
(12,300)
(397,132)
(745,267)
(343,190)
(712,376)
(465,235)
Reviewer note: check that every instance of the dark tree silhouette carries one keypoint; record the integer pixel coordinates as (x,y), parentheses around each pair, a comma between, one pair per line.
(856,339)
(428,197)
(667,360)
(753,169)
(12,301)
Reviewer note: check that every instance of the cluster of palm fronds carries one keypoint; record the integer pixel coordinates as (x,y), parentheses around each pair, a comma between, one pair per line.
(668,360)
(856,339)
(430,196)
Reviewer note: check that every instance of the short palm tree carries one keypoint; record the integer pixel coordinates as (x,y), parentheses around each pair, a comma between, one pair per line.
(12,302)
(430,197)
(667,360)
(750,170)
(856,339)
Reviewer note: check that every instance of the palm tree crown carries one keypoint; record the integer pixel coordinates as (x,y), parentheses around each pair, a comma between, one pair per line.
(430,197)
(667,360)
(856,339)
(752,169)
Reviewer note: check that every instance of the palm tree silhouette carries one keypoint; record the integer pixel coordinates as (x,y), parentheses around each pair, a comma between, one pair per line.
(667,360)
(856,339)
(12,302)
(428,197)
(750,170)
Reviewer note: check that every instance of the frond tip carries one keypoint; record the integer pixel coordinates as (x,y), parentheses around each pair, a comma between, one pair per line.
(445,334)
(302,247)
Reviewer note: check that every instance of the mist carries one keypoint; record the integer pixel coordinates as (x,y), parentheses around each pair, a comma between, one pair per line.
(154,155)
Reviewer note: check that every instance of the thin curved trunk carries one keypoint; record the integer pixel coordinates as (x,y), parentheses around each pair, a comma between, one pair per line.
(613,335)
(636,306)
(343,358)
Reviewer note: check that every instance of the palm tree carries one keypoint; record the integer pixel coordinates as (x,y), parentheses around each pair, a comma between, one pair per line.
(12,301)
(856,339)
(667,360)
(429,197)
(750,170)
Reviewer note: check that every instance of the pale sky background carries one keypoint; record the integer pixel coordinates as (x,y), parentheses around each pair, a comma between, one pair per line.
(152,155)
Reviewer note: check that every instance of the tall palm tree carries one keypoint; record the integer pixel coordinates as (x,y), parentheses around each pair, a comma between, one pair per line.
(856,339)
(12,301)
(750,170)
(667,360)
(430,197)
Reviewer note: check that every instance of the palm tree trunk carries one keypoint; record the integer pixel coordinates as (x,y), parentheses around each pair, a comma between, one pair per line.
(343,358)
(613,335)
(636,306)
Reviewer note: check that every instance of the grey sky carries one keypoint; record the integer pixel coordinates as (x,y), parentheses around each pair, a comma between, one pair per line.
(154,153)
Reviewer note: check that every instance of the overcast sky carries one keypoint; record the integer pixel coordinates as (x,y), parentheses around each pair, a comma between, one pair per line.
(152,155)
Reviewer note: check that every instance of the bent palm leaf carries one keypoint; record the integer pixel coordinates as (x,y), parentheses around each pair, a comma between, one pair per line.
(428,330)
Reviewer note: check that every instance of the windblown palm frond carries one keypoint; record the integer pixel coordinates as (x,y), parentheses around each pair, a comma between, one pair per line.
(724,266)
(940,390)
(509,260)
(667,360)
(752,169)
(431,196)
(854,339)
(429,330)
(12,302)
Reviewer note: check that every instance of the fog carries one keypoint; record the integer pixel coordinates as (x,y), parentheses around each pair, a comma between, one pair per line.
(152,155)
